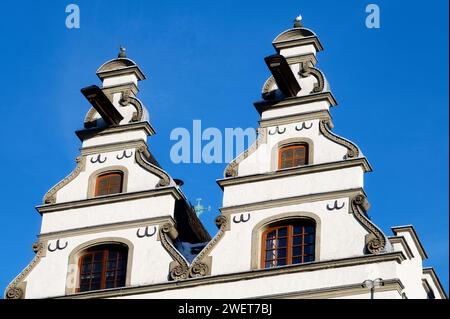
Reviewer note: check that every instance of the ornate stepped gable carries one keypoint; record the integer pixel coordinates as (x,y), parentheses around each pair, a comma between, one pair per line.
(298,182)
(296,108)
(113,139)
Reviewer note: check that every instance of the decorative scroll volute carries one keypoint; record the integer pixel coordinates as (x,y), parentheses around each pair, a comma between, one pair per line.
(199,266)
(179,269)
(139,158)
(352,149)
(50,196)
(15,290)
(232,168)
(375,240)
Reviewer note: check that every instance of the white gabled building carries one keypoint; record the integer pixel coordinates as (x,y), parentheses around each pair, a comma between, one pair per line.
(294,220)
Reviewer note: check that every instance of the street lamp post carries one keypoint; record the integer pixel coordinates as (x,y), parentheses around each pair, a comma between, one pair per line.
(372,284)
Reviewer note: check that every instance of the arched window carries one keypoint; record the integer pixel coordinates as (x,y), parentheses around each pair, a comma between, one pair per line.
(103,267)
(109,183)
(288,243)
(293,155)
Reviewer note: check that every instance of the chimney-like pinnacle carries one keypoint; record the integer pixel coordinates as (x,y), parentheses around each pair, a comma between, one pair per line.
(122,53)
(297,22)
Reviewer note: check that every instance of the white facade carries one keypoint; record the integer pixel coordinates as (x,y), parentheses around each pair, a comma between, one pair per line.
(153,219)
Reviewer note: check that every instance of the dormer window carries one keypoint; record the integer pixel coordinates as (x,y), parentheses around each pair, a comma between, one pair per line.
(109,183)
(293,156)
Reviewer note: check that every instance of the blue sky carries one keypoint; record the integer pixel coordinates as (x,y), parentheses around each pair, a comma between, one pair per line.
(204,60)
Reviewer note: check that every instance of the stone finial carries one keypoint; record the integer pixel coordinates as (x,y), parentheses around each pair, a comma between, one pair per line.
(122,53)
(297,22)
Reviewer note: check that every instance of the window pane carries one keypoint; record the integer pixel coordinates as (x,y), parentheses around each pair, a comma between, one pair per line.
(297,240)
(299,151)
(110,183)
(120,280)
(281,253)
(122,263)
(85,277)
(287,154)
(98,267)
(85,267)
(112,255)
(282,232)
(309,229)
(272,234)
(87,258)
(299,161)
(84,287)
(296,260)
(111,265)
(298,230)
(95,286)
(288,163)
(96,276)
(271,244)
(109,284)
(309,239)
(297,251)
(98,256)
(309,258)
(271,254)
(281,262)
(309,249)
(115,184)
(282,242)
(292,156)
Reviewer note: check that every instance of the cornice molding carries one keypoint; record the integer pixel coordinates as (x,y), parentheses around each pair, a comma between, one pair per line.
(402,241)
(295,118)
(301,170)
(338,291)
(295,200)
(262,106)
(430,271)
(397,257)
(109,199)
(112,147)
(410,229)
(106,227)
(91,132)
(301,58)
(285,44)
(123,70)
